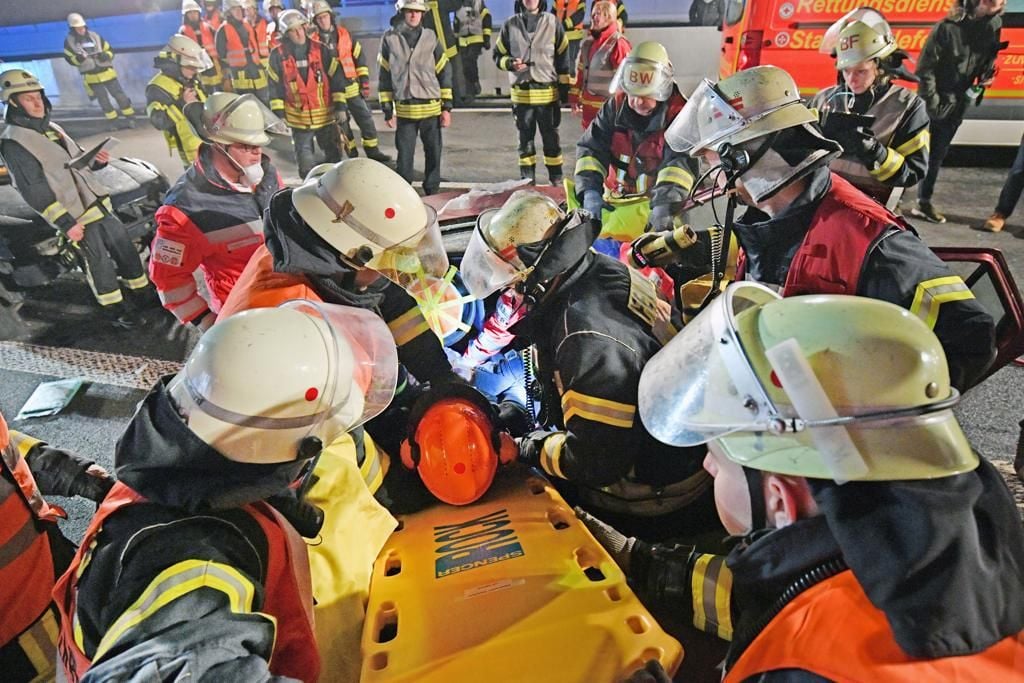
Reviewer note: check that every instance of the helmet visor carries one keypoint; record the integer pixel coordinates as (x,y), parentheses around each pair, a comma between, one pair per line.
(705,120)
(484,271)
(351,401)
(245,129)
(638,77)
(418,257)
(199,60)
(701,386)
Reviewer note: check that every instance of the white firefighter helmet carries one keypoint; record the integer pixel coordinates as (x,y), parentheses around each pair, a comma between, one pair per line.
(15,81)
(76,20)
(319,7)
(374,219)
(271,4)
(492,261)
(289,19)
(747,105)
(188,53)
(860,42)
(865,15)
(645,72)
(190,6)
(415,5)
(261,382)
(229,118)
(231,4)
(823,386)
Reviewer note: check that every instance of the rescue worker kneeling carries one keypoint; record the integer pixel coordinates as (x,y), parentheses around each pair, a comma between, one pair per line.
(186,567)
(874,543)
(595,323)
(622,161)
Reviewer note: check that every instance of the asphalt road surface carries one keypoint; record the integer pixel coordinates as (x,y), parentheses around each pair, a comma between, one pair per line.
(60,335)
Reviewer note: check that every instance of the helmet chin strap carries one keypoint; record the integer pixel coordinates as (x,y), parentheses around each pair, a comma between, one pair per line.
(755,486)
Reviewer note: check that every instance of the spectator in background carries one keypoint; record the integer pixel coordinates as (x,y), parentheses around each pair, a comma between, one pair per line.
(473,26)
(706,13)
(88,52)
(958,56)
(602,51)
(239,53)
(1010,195)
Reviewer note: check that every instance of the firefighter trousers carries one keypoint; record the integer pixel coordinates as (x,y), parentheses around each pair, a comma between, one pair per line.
(530,117)
(361,114)
(471,69)
(326,137)
(429,131)
(107,252)
(108,90)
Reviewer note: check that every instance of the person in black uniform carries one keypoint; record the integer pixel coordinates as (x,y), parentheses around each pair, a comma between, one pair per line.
(809,231)
(595,323)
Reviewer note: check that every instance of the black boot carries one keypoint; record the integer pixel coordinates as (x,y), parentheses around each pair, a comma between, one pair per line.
(377,155)
(528,173)
(120,316)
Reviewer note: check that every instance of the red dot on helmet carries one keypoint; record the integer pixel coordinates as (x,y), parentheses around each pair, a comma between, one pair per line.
(775,380)
(389,212)
(460,468)
(312,393)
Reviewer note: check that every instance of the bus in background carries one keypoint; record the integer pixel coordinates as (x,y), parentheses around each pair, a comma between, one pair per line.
(788,33)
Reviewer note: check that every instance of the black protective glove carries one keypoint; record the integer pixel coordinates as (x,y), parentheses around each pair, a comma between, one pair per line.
(653,672)
(563,93)
(487,42)
(62,473)
(514,418)
(92,485)
(530,447)
(861,144)
(660,219)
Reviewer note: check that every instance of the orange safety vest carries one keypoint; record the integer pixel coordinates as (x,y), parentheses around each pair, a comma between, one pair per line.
(215,19)
(27,572)
(566,8)
(287,595)
(348,62)
(260,286)
(307,104)
(204,36)
(833,630)
(238,54)
(262,39)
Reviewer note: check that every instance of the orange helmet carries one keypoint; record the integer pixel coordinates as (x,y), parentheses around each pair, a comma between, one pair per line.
(455,445)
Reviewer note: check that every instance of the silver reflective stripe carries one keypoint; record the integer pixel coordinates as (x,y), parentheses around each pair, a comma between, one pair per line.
(343,214)
(19,542)
(257,421)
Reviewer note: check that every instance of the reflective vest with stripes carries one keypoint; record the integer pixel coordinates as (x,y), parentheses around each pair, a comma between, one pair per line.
(888,112)
(239,54)
(75,189)
(262,34)
(413,72)
(307,103)
(538,48)
(471,21)
(287,591)
(26,562)
(344,52)
(204,36)
(634,167)
(831,257)
(834,631)
(183,138)
(564,9)
(598,70)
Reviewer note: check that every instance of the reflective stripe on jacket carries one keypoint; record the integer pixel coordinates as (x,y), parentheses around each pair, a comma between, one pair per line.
(307,103)
(413,70)
(182,138)
(537,48)
(635,166)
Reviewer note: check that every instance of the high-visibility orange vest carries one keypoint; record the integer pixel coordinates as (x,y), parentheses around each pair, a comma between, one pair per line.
(239,53)
(307,103)
(262,39)
(833,630)
(348,62)
(27,572)
(565,9)
(204,36)
(287,596)
(214,18)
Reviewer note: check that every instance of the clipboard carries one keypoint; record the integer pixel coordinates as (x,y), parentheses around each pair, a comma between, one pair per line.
(86,158)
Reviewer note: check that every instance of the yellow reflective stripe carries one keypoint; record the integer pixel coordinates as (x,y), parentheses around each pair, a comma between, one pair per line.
(385,96)
(588,163)
(363,71)
(352,90)
(451,51)
(575,34)
(551,454)
(91,215)
(370,142)
(922,140)
(674,174)
(276,105)
(39,644)
(446,93)
(723,602)
(553,161)
(441,64)
(700,567)
(528,160)
(339,97)
(109,298)
(23,442)
(408,326)
(575,404)
(418,110)
(889,166)
(137,282)
(375,466)
(931,294)
(544,95)
(53,212)
(465,41)
(174,582)
(564,45)
(384,64)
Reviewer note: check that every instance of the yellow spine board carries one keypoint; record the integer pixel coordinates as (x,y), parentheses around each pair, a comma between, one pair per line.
(511,588)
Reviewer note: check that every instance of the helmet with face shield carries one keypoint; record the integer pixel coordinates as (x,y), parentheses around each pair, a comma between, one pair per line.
(645,72)
(824,386)
(229,118)
(263,385)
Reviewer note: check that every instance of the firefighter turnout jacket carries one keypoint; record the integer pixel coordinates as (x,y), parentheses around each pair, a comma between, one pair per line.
(593,338)
(349,53)
(901,128)
(539,41)
(473,24)
(835,240)
(306,84)
(206,36)
(239,53)
(168,112)
(415,79)
(92,56)
(570,14)
(600,56)
(210,225)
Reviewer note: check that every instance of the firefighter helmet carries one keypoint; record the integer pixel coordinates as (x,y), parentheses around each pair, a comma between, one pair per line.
(76,20)
(320,7)
(645,72)
(231,4)
(190,6)
(492,260)
(414,5)
(271,4)
(860,42)
(322,370)
(188,53)
(747,105)
(229,118)
(16,81)
(823,386)
(865,15)
(290,19)
(374,219)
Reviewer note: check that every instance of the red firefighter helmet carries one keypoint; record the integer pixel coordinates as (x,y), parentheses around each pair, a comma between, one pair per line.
(455,447)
